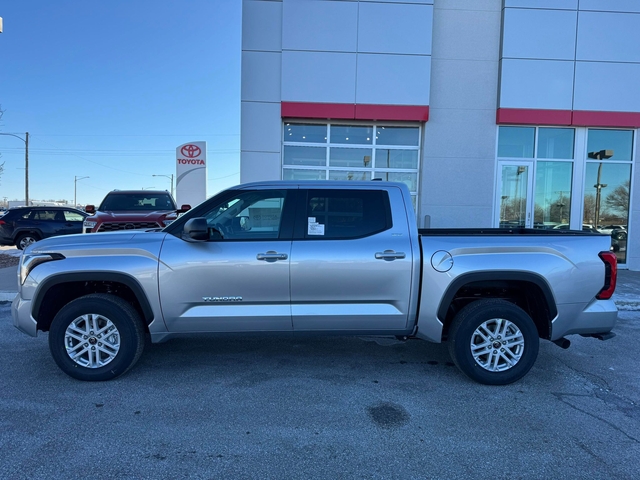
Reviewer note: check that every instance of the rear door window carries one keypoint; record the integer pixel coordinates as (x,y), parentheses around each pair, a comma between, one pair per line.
(344,214)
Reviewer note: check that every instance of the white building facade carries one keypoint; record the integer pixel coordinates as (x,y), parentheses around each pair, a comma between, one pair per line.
(495,113)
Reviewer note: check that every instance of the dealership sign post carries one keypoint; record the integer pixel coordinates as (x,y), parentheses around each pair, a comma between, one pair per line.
(191,173)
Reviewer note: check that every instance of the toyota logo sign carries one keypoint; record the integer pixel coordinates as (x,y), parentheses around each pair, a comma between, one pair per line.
(191,151)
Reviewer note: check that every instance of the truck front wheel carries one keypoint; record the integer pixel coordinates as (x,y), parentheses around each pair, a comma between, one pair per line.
(96,337)
(493,342)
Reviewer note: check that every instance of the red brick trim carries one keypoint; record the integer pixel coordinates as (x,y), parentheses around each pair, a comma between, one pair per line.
(347,111)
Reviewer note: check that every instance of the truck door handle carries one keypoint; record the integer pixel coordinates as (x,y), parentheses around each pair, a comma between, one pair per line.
(389,255)
(272,256)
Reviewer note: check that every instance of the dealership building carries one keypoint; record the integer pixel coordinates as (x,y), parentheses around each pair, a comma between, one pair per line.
(495,113)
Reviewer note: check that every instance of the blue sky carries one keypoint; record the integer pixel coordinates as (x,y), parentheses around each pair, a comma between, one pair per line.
(109,89)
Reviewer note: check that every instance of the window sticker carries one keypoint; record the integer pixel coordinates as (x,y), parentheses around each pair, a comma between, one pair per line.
(314,228)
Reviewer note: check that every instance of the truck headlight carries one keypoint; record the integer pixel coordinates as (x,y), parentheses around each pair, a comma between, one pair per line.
(31,261)
(89,224)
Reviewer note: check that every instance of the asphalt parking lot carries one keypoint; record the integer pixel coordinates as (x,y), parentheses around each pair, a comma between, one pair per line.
(321,408)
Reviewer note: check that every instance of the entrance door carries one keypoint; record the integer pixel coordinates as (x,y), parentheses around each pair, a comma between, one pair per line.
(515,195)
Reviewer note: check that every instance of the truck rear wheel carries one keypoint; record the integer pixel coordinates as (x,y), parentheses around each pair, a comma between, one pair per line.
(493,342)
(96,337)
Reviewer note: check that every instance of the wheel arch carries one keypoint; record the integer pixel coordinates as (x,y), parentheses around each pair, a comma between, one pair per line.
(58,290)
(529,291)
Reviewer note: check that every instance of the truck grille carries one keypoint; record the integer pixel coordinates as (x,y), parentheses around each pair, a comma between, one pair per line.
(112,226)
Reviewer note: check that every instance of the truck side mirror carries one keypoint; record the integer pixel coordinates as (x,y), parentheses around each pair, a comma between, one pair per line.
(90,209)
(184,208)
(196,229)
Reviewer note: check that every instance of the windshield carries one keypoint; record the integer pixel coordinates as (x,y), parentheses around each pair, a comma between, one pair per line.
(137,201)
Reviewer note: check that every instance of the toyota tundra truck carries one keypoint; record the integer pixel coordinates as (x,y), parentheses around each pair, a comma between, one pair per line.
(319,257)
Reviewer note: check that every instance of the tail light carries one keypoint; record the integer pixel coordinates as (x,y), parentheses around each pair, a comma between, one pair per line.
(2,222)
(610,275)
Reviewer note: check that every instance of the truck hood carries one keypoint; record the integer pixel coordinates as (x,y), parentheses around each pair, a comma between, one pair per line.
(139,216)
(100,243)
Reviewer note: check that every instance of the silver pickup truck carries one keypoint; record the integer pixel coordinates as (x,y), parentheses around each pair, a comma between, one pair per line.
(339,258)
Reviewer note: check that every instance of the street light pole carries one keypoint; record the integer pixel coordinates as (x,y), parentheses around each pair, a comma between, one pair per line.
(26,163)
(75,183)
(170,177)
(601,155)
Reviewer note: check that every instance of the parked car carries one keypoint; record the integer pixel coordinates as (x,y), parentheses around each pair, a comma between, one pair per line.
(132,210)
(321,257)
(22,226)
(586,227)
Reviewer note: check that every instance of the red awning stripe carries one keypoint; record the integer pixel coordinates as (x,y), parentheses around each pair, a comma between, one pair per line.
(577,118)
(347,111)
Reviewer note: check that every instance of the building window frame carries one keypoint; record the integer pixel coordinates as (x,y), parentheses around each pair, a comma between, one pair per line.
(367,171)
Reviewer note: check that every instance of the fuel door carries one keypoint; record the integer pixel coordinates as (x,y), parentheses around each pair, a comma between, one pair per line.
(441,261)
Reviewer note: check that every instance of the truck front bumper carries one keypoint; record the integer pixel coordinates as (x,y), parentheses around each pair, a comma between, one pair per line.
(22,319)
(599,316)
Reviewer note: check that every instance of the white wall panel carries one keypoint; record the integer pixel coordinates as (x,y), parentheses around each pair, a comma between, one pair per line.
(607,86)
(424,2)
(464,95)
(541,84)
(393,79)
(259,166)
(319,77)
(473,5)
(457,216)
(542,34)
(320,25)
(466,34)
(471,179)
(612,37)
(395,28)
(261,25)
(261,76)
(549,4)
(611,5)
(260,129)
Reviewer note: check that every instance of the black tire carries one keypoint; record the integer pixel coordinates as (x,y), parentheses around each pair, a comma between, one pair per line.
(105,311)
(509,357)
(25,239)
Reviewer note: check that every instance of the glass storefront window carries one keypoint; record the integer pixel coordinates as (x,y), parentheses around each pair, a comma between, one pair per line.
(351,135)
(552,194)
(620,141)
(294,155)
(409,136)
(607,185)
(337,151)
(555,142)
(516,142)
(350,157)
(410,179)
(310,133)
(349,175)
(307,174)
(386,158)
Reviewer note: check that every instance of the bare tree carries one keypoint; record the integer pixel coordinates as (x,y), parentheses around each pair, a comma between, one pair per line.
(618,199)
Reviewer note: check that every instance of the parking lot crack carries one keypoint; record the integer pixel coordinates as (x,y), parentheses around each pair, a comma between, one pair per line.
(562,397)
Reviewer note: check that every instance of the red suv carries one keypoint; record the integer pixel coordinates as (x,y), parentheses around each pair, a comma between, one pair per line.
(131,210)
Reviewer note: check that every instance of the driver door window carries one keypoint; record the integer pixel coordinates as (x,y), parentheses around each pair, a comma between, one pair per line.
(252,215)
